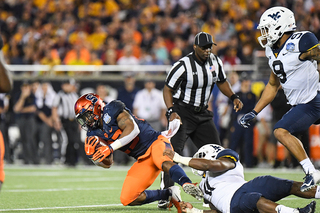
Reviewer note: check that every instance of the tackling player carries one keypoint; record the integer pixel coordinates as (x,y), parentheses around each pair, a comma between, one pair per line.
(116,125)
(293,58)
(5,86)
(226,190)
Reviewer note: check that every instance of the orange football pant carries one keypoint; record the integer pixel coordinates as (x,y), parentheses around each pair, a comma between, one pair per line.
(1,158)
(144,172)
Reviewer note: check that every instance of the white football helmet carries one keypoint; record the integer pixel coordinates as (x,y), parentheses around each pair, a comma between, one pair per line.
(209,152)
(274,22)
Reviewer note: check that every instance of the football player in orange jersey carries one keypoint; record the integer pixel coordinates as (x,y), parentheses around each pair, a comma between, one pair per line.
(121,130)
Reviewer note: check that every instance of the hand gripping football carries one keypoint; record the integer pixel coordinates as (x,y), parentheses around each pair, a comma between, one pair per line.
(92,144)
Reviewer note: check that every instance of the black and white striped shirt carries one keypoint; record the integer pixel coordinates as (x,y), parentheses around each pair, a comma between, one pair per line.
(193,80)
(65,103)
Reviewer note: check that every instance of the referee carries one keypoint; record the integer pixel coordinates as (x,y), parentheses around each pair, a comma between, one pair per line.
(64,122)
(186,94)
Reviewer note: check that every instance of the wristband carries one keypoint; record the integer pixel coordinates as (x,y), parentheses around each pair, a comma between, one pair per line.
(254,112)
(169,112)
(234,96)
(183,160)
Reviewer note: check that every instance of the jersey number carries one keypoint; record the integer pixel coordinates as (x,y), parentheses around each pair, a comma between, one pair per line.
(207,188)
(278,69)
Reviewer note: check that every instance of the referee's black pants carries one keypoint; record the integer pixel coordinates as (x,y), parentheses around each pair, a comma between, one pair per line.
(199,126)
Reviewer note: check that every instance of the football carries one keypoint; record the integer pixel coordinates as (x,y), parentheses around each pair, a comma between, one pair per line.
(108,161)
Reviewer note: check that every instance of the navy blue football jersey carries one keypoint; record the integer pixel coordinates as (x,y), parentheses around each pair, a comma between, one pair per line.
(111,132)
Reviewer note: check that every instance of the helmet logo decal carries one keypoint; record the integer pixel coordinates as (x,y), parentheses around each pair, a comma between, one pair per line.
(92,98)
(275,16)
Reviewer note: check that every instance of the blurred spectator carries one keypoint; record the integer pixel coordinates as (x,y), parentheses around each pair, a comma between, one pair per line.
(51,58)
(160,50)
(25,108)
(240,139)
(175,55)
(266,148)
(95,60)
(230,57)
(127,95)
(45,123)
(78,55)
(225,109)
(149,105)
(106,93)
(128,58)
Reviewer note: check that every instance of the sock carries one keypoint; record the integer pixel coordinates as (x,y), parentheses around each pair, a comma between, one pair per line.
(284,209)
(317,195)
(178,175)
(153,195)
(307,166)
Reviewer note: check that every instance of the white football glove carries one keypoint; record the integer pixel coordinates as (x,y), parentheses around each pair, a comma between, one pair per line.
(174,126)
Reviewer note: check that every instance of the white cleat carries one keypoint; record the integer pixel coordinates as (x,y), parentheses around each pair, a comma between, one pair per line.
(175,198)
(193,190)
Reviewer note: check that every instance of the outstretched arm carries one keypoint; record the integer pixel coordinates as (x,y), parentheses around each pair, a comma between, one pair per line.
(312,54)
(226,89)
(269,93)
(219,165)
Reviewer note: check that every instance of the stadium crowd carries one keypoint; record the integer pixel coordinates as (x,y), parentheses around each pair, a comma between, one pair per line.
(146,32)
(78,32)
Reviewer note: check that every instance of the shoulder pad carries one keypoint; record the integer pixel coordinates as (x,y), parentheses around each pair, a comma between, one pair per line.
(228,153)
(308,41)
(114,108)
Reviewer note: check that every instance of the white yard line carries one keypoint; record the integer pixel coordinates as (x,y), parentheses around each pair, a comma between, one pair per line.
(60,207)
(57,190)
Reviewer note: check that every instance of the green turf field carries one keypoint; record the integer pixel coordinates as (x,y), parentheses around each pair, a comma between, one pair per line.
(92,189)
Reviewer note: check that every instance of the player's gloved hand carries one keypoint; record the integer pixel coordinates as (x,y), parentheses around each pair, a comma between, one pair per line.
(173,129)
(90,145)
(102,152)
(247,118)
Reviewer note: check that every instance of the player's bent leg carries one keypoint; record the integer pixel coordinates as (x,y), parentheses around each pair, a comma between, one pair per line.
(140,177)
(292,143)
(264,205)
(295,190)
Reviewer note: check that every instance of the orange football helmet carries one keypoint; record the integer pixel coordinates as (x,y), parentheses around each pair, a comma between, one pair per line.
(88,110)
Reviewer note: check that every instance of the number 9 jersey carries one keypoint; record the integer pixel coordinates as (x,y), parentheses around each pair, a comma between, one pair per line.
(299,78)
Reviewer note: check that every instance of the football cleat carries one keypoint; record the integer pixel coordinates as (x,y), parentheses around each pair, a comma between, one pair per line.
(193,190)
(163,204)
(310,208)
(175,198)
(205,203)
(310,180)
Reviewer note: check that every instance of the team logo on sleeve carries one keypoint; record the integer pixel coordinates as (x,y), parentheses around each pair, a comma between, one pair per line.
(106,118)
(290,47)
